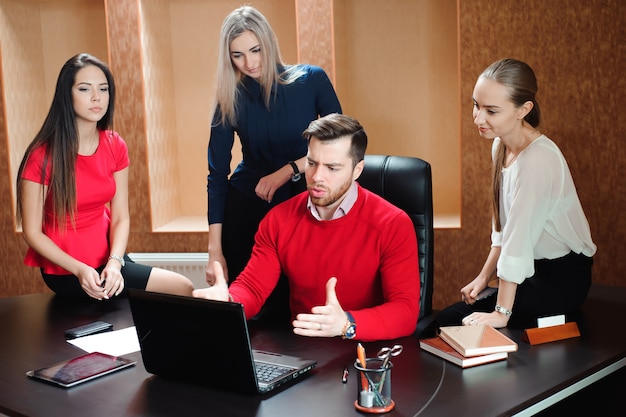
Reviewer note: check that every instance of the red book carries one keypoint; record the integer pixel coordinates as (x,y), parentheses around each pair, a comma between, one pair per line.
(439,347)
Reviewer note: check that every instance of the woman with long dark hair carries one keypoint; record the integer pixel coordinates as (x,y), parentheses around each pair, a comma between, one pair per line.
(72,193)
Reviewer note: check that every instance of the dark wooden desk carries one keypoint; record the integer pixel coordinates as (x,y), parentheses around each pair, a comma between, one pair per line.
(31,336)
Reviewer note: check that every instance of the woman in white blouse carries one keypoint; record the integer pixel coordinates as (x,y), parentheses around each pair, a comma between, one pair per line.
(541,246)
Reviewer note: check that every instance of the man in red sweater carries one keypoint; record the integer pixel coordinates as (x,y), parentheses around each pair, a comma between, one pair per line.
(349,255)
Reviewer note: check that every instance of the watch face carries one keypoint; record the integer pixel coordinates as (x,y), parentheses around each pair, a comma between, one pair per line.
(351,331)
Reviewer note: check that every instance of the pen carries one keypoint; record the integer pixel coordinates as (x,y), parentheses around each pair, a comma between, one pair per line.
(344,375)
(360,354)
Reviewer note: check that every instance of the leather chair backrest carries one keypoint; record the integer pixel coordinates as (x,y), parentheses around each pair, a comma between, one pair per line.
(406,182)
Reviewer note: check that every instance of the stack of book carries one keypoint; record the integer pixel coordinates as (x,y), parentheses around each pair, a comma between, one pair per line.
(468,346)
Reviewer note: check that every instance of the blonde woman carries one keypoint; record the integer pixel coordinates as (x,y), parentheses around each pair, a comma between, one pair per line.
(268,104)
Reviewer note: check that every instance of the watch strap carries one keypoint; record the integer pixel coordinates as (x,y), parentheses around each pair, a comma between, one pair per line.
(349,330)
(296,172)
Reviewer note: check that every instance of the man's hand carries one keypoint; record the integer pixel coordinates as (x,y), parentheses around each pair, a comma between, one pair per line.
(219,290)
(325,321)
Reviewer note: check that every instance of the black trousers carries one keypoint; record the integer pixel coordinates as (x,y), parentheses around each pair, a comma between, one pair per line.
(135,276)
(241,221)
(559,286)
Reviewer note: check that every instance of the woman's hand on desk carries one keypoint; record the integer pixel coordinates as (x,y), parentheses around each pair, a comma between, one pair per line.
(493,319)
(219,290)
(325,321)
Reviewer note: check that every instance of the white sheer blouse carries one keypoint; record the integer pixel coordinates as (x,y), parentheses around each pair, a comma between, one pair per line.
(540,212)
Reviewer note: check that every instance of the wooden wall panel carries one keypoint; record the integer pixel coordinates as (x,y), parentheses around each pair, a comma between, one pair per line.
(397,72)
(127,65)
(316,35)
(15,278)
(160,112)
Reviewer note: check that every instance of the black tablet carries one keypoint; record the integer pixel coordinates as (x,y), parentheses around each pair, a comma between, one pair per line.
(81,369)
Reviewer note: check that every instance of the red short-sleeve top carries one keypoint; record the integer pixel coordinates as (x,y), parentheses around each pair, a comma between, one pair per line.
(95,187)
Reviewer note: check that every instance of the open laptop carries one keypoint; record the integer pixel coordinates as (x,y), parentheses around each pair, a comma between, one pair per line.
(206,342)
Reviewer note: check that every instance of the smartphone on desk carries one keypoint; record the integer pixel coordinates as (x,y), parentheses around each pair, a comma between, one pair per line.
(87,329)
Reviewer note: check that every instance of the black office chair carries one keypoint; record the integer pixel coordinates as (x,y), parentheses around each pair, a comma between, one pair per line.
(406,182)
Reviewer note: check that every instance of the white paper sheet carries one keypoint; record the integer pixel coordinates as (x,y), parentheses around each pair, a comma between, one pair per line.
(116,343)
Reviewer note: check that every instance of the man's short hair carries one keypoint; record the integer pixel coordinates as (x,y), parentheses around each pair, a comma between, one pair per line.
(335,126)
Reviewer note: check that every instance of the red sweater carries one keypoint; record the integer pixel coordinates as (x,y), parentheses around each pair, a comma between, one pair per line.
(372,251)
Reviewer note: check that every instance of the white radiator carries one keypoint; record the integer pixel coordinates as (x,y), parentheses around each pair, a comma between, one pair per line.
(192,265)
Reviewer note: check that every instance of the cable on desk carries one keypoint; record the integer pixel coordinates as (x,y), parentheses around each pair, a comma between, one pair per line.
(432,397)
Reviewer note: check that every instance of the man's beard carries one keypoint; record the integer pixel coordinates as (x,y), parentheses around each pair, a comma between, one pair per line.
(331,198)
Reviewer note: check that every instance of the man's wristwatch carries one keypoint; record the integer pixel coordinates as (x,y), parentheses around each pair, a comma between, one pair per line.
(296,172)
(349,330)
(119,259)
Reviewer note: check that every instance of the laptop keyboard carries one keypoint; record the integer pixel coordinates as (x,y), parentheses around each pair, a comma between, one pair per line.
(267,372)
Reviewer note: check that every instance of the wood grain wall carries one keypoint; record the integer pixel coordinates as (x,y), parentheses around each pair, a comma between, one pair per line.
(577,50)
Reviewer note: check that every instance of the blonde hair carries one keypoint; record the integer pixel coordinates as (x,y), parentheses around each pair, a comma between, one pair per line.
(240,20)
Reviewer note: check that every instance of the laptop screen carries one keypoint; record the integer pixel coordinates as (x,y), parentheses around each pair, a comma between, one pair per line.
(194,340)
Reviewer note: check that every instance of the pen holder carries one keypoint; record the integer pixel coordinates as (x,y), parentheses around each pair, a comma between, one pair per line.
(374,387)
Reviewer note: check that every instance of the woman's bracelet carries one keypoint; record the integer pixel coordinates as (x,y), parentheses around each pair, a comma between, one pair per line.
(503,310)
(118,259)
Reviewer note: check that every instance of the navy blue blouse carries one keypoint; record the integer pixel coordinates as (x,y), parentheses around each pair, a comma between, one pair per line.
(269,138)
